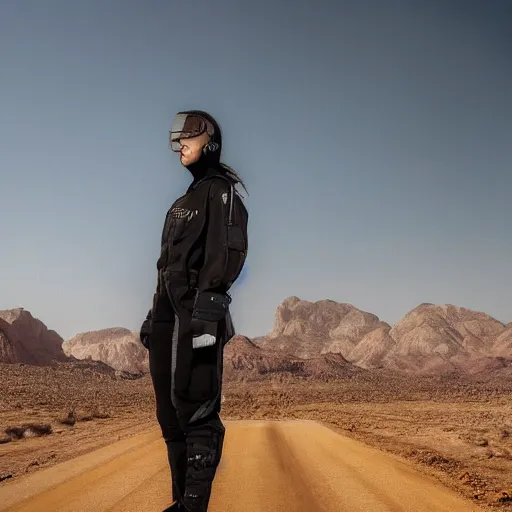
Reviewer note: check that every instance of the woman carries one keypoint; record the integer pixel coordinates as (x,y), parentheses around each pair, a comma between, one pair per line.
(203,250)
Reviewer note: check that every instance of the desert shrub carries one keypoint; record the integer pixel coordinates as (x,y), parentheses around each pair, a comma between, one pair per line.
(70,419)
(27,430)
(38,429)
(15,432)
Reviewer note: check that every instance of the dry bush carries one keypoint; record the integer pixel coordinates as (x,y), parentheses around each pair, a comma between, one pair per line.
(70,419)
(37,429)
(15,432)
(28,430)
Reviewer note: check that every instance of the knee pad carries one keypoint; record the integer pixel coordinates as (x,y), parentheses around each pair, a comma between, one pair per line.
(203,456)
(204,452)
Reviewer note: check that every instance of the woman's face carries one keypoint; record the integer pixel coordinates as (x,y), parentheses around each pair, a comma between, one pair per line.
(192,148)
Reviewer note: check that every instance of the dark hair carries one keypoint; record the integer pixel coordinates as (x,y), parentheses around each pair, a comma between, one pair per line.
(233,175)
(217,137)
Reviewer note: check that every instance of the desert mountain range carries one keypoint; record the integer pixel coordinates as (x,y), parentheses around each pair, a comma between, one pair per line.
(323,340)
(430,338)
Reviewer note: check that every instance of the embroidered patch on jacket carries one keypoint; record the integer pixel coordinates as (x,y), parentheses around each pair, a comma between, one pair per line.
(183,213)
(225,197)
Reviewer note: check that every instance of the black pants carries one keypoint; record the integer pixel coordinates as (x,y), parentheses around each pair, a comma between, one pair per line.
(194,447)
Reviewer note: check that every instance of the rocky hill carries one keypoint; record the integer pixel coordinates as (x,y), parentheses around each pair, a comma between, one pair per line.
(429,339)
(433,336)
(118,347)
(25,339)
(243,360)
(306,329)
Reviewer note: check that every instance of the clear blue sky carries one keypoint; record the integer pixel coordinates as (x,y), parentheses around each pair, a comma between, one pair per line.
(375,139)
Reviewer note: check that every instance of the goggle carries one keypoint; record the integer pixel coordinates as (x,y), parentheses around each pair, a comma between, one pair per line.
(185,126)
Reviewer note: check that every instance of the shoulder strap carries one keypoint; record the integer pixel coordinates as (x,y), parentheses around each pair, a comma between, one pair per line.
(231,194)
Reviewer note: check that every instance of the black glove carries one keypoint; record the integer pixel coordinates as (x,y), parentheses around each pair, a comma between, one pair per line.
(145,330)
(209,309)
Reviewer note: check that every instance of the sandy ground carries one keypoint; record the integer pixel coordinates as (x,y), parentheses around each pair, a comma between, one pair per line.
(297,466)
(458,433)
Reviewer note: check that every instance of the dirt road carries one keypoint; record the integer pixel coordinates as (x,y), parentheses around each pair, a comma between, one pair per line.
(267,466)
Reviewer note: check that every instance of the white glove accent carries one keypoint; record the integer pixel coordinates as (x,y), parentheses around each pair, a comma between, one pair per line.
(205,340)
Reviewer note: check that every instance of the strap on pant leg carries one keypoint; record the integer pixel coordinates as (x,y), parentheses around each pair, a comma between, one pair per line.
(204,450)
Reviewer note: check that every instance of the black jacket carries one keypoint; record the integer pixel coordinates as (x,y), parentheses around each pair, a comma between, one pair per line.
(203,244)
